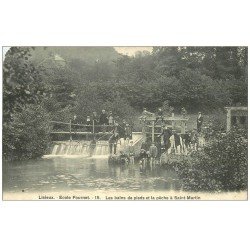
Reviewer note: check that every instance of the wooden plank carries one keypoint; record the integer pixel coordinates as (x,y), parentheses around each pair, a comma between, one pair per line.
(80,125)
(80,133)
(237,108)
(167,119)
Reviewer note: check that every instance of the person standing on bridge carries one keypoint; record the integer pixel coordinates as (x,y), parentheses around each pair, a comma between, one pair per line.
(159,116)
(88,123)
(121,131)
(199,122)
(103,120)
(74,122)
(145,114)
(166,133)
(95,122)
(111,120)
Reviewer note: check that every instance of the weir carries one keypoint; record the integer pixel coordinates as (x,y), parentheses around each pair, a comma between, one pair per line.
(79,148)
(67,148)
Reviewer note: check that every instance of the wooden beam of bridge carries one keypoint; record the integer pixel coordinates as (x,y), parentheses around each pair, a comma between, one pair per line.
(80,125)
(173,118)
(80,133)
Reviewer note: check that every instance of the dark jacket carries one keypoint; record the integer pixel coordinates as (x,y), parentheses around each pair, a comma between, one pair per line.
(143,155)
(131,150)
(200,121)
(177,140)
(166,133)
(114,138)
(103,119)
(121,130)
(153,151)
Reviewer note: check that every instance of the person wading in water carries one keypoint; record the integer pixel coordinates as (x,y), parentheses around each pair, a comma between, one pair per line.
(113,143)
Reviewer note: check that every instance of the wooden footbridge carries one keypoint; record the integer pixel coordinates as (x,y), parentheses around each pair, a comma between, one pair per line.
(152,126)
(69,130)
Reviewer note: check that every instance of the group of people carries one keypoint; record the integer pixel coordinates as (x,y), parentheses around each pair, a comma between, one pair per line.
(122,134)
(150,155)
(106,121)
(160,116)
(123,158)
(173,140)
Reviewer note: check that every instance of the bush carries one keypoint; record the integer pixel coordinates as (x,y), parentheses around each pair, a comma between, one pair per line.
(26,135)
(221,166)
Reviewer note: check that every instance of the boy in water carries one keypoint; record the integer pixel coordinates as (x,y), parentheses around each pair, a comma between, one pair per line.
(131,151)
(153,152)
(124,159)
(92,147)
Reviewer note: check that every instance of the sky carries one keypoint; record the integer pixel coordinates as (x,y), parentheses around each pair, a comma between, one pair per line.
(5,49)
(130,51)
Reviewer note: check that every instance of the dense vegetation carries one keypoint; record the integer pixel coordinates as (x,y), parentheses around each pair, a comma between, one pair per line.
(221,166)
(58,82)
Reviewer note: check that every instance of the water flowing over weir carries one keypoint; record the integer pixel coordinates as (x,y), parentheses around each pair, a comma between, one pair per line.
(79,148)
(83,148)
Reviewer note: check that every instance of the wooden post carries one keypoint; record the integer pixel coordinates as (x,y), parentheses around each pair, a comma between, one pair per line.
(143,130)
(228,119)
(173,122)
(153,131)
(70,135)
(93,128)
(183,127)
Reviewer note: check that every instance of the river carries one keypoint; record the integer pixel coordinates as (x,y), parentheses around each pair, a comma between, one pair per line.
(79,173)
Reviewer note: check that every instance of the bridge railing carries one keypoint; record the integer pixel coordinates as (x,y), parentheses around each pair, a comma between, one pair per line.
(70,127)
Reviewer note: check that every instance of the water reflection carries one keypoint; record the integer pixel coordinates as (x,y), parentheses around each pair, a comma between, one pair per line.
(84,173)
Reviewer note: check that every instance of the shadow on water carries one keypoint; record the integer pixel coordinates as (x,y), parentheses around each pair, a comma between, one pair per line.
(61,173)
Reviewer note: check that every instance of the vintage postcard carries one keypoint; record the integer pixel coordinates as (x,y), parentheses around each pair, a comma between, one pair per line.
(125,123)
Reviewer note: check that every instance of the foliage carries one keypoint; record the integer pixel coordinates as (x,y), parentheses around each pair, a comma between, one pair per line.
(221,166)
(21,81)
(26,136)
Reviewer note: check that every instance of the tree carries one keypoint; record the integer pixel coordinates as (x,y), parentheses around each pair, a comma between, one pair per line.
(221,166)
(26,136)
(21,81)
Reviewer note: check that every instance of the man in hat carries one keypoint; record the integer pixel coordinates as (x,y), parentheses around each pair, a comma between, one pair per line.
(110,118)
(103,120)
(95,121)
(159,116)
(166,133)
(88,123)
(121,130)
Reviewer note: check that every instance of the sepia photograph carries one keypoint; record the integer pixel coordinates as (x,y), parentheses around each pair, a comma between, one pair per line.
(159,123)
